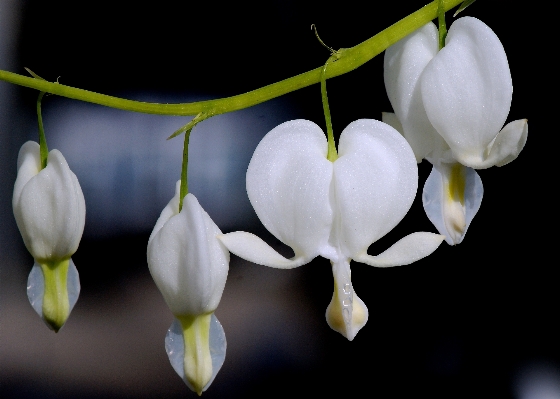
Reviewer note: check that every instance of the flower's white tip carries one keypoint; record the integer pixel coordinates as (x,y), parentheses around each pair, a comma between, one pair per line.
(36,290)
(175,349)
(407,250)
(252,248)
(346,313)
(451,198)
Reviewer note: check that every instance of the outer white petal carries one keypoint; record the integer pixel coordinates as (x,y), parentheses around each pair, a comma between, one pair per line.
(49,205)
(467,89)
(442,210)
(288,183)
(404,63)
(375,182)
(187,261)
(508,144)
(252,248)
(407,250)
(170,210)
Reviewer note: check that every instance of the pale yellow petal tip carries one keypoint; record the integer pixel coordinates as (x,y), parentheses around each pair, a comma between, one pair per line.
(335,317)
(197,358)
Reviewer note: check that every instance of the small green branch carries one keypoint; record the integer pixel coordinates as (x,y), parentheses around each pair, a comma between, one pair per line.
(352,59)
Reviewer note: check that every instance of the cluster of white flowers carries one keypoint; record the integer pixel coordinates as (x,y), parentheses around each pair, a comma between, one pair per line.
(450,106)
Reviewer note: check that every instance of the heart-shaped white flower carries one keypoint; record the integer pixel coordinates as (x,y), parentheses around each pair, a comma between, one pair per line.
(333,209)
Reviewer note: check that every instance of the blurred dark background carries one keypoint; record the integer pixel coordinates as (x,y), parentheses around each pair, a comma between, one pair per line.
(476,320)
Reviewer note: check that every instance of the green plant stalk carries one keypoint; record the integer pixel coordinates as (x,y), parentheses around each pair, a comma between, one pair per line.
(331,152)
(442,28)
(353,58)
(56,305)
(43,149)
(184,190)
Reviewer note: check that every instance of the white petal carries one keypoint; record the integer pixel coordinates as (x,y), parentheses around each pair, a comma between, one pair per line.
(346,312)
(288,183)
(403,65)
(187,261)
(250,247)
(442,209)
(508,143)
(466,89)
(407,250)
(49,205)
(375,182)
(171,209)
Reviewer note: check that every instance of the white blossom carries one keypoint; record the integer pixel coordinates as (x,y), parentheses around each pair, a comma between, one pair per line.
(451,106)
(333,209)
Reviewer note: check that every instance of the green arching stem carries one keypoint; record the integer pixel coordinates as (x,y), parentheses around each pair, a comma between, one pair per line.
(43,149)
(352,59)
(331,152)
(442,28)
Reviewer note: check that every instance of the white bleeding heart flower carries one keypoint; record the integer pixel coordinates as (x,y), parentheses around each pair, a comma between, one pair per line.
(189,266)
(451,106)
(50,211)
(333,209)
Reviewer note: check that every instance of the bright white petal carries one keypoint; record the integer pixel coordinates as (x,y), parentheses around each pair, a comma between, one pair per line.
(508,144)
(375,182)
(171,209)
(252,248)
(187,261)
(466,89)
(407,250)
(288,183)
(403,65)
(441,208)
(346,313)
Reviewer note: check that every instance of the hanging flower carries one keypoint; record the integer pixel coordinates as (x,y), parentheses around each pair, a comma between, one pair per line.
(189,266)
(50,211)
(451,105)
(333,209)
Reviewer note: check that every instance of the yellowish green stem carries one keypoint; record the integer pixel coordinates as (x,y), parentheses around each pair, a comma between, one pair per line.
(352,58)
(43,149)
(197,361)
(332,155)
(56,305)
(442,28)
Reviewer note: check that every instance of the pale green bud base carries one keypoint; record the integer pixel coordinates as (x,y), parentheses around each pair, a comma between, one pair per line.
(196,347)
(53,289)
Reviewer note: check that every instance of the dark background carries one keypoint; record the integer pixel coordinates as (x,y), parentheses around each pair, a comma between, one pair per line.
(475,320)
